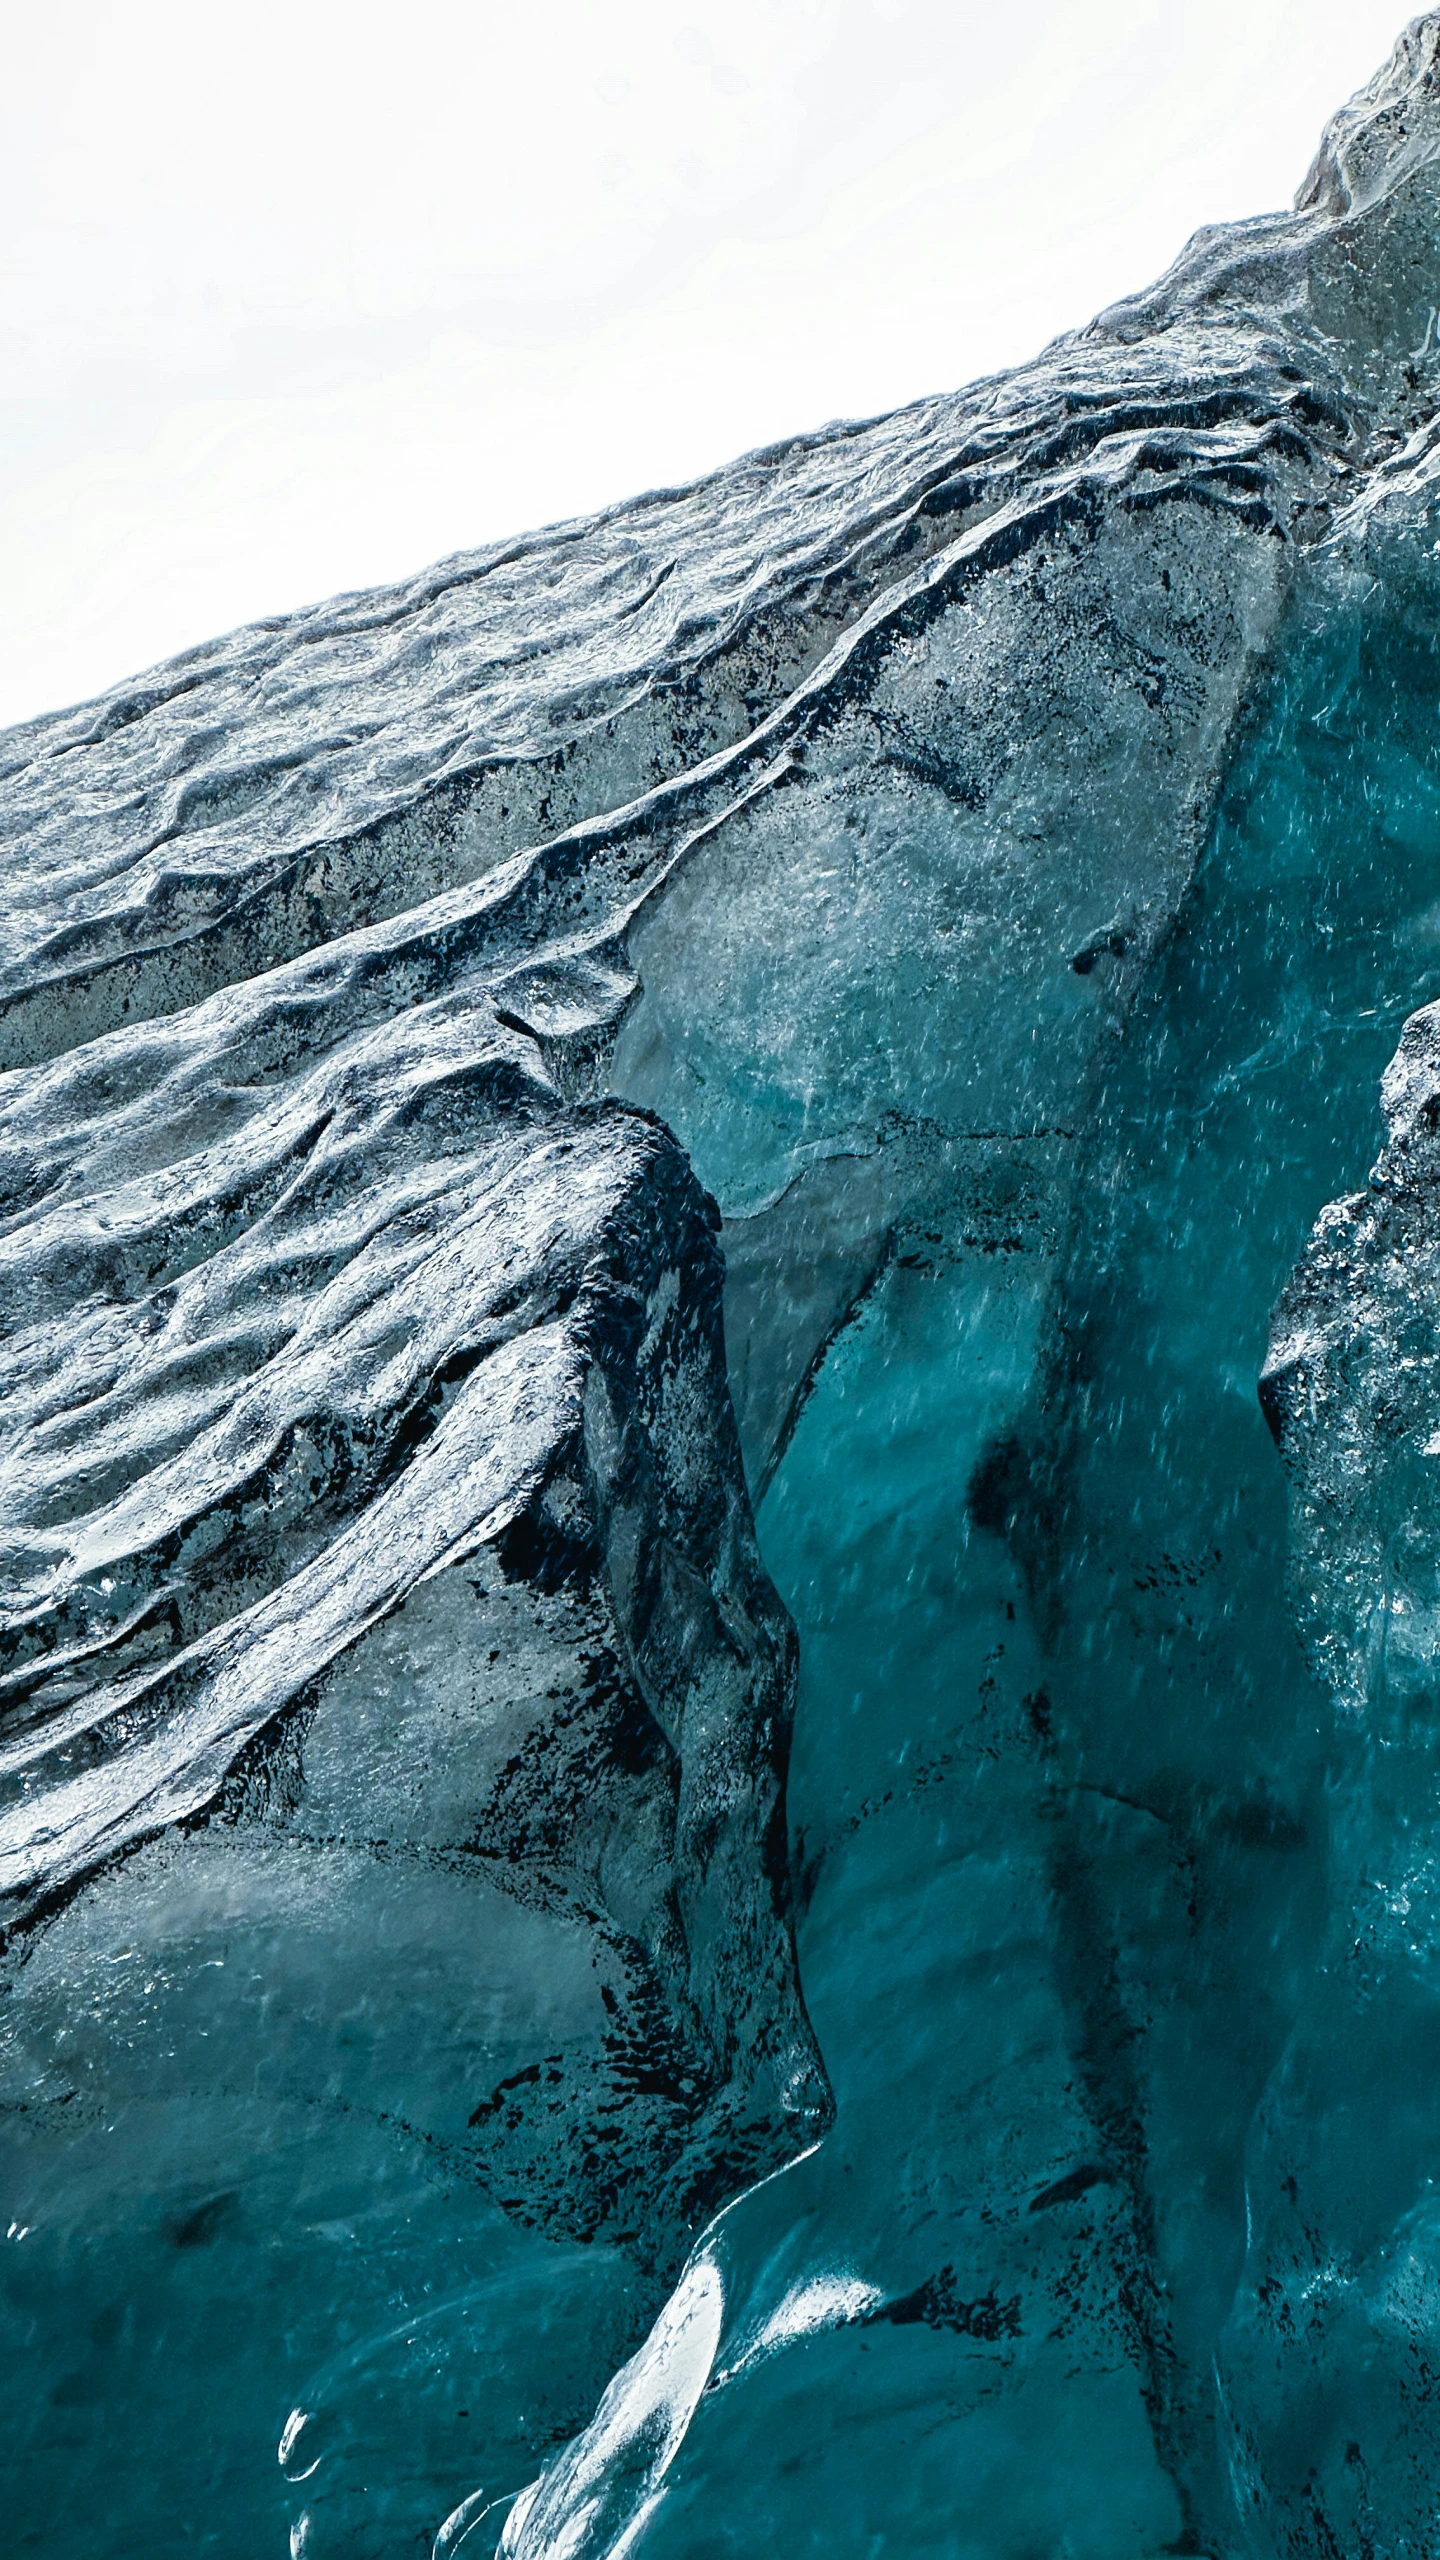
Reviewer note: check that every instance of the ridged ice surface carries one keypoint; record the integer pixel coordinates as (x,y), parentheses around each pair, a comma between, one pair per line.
(689,1849)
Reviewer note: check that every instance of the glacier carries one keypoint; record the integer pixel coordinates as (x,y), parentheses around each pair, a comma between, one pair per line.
(719,1396)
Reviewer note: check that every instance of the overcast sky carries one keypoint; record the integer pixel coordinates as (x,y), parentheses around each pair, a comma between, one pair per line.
(296,297)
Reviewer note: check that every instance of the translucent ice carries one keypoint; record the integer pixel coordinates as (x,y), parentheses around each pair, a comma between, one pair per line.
(845,989)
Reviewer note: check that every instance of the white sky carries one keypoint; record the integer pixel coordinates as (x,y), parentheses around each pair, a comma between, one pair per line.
(296,296)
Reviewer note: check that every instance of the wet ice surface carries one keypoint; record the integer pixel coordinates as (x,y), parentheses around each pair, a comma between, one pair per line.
(954,884)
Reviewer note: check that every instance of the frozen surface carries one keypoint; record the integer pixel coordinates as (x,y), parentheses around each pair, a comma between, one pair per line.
(842,990)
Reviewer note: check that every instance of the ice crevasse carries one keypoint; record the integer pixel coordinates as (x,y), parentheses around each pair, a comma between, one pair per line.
(720,1494)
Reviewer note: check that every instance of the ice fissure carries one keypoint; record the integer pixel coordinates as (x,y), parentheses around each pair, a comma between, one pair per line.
(642,1185)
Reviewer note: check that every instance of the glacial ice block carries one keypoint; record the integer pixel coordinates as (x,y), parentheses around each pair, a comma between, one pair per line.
(753,1063)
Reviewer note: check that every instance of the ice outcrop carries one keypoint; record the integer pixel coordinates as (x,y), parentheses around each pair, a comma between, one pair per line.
(1340,2284)
(897,884)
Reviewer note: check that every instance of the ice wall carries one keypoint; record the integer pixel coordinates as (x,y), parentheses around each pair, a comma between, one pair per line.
(951,884)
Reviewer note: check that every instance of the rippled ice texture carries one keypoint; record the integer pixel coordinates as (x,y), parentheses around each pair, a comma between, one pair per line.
(694,1844)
